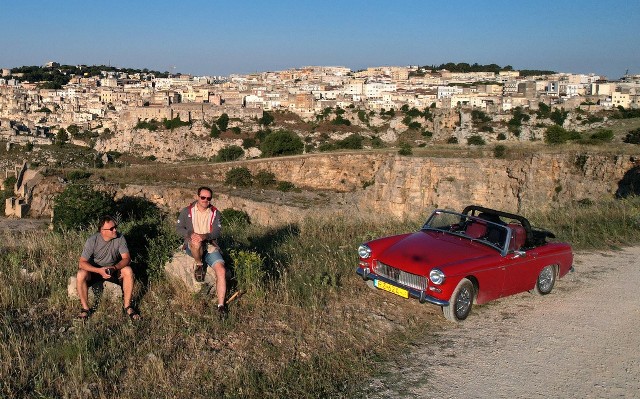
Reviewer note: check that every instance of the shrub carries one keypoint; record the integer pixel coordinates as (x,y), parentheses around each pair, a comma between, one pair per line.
(282,142)
(558,116)
(405,149)
(223,122)
(501,136)
(248,268)
(475,140)
(558,135)
(633,137)
(232,216)
(174,123)
(151,125)
(376,142)
(265,178)
(452,140)
(248,143)
(79,205)
(604,135)
(215,132)
(353,142)
(236,130)
(267,119)
(499,151)
(415,125)
(427,133)
(285,186)
(240,177)
(229,153)
(76,175)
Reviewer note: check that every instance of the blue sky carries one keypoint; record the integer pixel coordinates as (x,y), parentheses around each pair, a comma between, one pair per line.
(224,37)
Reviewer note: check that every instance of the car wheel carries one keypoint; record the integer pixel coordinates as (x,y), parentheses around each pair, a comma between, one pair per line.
(461,301)
(546,280)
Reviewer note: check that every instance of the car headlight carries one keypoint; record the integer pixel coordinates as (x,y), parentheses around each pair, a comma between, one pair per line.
(436,276)
(364,251)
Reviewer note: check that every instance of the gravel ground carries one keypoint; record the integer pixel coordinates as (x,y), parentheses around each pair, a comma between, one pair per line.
(580,341)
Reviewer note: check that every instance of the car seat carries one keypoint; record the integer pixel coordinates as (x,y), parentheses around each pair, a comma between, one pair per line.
(476,229)
(518,236)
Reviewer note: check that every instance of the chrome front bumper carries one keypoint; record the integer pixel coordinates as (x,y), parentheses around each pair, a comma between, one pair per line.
(419,295)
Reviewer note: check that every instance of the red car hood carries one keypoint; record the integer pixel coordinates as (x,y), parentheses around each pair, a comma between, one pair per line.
(420,252)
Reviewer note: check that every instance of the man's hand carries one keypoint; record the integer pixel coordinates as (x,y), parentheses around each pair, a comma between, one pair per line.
(107,271)
(196,239)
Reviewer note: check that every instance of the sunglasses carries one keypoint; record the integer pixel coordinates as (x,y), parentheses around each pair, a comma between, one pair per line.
(111,228)
(202,197)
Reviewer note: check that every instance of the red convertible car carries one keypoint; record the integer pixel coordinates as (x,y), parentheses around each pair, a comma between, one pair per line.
(458,259)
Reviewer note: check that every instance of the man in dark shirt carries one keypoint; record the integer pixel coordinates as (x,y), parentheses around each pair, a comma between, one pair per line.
(105,256)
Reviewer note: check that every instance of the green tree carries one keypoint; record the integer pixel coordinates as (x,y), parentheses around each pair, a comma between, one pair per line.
(229,153)
(558,116)
(62,136)
(544,111)
(267,119)
(223,122)
(475,140)
(405,149)
(555,135)
(265,178)
(353,142)
(79,205)
(240,177)
(281,142)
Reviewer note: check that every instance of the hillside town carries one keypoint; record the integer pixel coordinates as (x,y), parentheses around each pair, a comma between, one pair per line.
(103,111)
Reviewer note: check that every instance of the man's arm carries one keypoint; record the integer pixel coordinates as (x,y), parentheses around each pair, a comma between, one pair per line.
(124,262)
(181,225)
(84,264)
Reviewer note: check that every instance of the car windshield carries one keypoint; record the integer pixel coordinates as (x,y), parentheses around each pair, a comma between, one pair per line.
(493,233)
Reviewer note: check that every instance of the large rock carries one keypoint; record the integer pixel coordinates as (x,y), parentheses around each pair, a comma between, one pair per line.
(181,267)
(97,291)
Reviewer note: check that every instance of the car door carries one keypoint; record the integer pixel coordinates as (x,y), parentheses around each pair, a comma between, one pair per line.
(521,271)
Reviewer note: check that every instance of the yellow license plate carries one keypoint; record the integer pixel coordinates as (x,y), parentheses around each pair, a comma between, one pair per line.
(392,288)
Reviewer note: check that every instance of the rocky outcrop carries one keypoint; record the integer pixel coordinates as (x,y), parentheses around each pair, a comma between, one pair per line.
(385,183)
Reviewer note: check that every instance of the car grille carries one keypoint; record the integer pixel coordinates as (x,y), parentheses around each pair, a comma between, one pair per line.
(401,277)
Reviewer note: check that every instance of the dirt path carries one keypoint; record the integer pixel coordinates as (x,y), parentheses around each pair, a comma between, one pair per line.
(581,341)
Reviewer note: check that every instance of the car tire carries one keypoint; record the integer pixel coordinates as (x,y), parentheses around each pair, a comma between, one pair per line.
(545,281)
(461,302)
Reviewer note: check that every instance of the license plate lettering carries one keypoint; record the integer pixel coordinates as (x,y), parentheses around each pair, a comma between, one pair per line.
(391,288)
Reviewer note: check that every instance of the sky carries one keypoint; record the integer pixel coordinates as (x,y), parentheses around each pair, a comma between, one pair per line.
(211,37)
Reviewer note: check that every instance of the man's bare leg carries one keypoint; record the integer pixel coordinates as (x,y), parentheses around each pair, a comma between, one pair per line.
(83,287)
(221,281)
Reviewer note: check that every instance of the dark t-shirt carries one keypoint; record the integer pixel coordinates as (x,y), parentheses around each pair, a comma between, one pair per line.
(104,253)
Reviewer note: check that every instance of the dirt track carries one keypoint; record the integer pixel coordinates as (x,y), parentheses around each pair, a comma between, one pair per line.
(581,341)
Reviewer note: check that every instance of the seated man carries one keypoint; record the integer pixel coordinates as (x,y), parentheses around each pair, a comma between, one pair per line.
(105,256)
(199,225)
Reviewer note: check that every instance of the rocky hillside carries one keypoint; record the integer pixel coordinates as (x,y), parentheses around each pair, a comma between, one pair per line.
(388,184)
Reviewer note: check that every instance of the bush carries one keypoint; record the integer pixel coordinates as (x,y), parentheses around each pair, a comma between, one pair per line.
(282,142)
(248,268)
(285,186)
(174,123)
(499,151)
(559,135)
(501,136)
(232,216)
(452,140)
(353,142)
(76,175)
(78,206)
(475,140)
(215,132)
(248,143)
(427,133)
(604,135)
(405,149)
(266,119)
(240,177)
(633,137)
(223,122)
(265,178)
(229,153)
(236,130)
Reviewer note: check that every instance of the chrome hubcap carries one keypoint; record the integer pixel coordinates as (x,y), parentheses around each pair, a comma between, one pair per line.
(546,279)
(463,302)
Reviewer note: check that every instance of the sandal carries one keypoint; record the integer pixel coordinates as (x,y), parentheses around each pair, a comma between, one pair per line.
(133,314)
(199,273)
(84,314)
